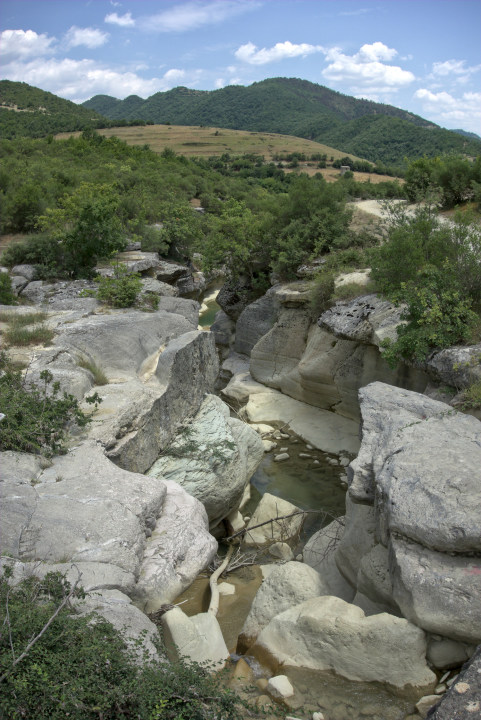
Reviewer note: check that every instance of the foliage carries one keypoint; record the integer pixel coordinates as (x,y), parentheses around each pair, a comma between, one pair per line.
(33,112)
(122,289)
(37,417)
(98,374)
(85,227)
(471,396)
(7,296)
(452,178)
(81,668)
(320,297)
(433,268)
(437,313)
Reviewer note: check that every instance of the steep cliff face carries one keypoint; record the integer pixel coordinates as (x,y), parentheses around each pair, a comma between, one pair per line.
(322,363)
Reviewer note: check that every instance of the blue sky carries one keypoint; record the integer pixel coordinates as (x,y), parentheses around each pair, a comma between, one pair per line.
(421,55)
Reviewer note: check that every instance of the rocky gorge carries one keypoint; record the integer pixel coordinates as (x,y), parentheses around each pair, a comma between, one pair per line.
(388,595)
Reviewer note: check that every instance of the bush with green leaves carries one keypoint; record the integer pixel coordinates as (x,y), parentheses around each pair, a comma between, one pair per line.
(120,290)
(55,664)
(7,296)
(36,417)
(438,316)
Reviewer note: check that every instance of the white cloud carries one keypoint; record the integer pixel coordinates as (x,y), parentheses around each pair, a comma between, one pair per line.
(365,71)
(464,112)
(376,51)
(219,83)
(79,80)
(249,53)
(122,20)
(453,67)
(21,44)
(90,37)
(173,75)
(192,15)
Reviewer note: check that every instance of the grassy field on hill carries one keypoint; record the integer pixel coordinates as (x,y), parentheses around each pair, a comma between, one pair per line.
(196,141)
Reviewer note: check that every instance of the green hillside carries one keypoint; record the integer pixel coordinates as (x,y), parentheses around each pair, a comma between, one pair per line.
(381,133)
(29,111)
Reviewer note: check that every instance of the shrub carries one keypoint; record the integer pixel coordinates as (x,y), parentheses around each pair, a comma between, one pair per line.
(321,293)
(471,397)
(81,668)
(438,316)
(6,293)
(122,289)
(36,417)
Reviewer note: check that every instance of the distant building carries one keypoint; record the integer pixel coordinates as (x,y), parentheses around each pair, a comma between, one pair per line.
(344,169)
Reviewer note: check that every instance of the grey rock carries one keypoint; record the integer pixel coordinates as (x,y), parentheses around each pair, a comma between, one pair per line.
(169,272)
(213,459)
(438,592)
(234,298)
(325,633)
(151,285)
(286,586)
(456,366)
(193,285)
(367,319)
(445,654)
(255,321)
(26,271)
(319,552)
(463,699)
(18,283)
(357,540)
(223,329)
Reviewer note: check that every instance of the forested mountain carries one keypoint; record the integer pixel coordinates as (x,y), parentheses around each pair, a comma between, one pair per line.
(381,133)
(29,111)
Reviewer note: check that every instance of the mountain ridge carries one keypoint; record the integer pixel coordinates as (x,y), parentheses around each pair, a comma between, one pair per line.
(297,107)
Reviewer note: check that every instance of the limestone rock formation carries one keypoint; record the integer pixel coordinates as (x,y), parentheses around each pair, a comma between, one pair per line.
(317,633)
(425,509)
(213,458)
(286,586)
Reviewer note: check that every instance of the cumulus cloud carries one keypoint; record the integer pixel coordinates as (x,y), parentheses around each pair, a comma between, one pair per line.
(79,80)
(365,71)
(192,15)
(249,53)
(89,37)
(24,44)
(453,67)
(122,20)
(464,112)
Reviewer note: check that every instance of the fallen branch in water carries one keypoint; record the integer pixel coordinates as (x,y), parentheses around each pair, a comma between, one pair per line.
(214,590)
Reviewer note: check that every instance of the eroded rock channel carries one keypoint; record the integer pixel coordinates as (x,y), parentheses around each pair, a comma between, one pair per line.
(379,604)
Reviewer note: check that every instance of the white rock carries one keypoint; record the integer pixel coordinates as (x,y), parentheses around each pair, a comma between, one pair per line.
(269,508)
(280,687)
(281,550)
(225,588)
(425,704)
(198,638)
(268,445)
(326,633)
(281,457)
(284,587)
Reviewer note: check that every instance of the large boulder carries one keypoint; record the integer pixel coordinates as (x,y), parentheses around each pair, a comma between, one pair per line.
(213,458)
(418,467)
(326,633)
(287,585)
(197,638)
(286,528)
(83,509)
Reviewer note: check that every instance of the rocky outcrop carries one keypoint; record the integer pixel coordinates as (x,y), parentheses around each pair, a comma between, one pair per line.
(424,511)
(213,459)
(322,364)
(463,700)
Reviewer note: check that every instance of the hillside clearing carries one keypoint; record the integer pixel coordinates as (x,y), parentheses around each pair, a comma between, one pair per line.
(198,141)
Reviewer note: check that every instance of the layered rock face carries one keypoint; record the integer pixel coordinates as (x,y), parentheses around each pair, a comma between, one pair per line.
(418,469)
(321,364)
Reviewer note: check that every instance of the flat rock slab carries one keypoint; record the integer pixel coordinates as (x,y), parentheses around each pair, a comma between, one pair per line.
(322,429)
